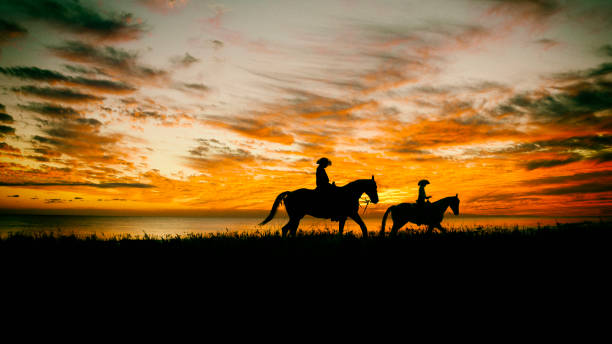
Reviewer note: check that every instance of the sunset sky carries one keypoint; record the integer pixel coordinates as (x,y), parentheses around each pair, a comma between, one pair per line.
(197,107)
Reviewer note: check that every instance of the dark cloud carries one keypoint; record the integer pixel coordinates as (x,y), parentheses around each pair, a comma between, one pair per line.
(15,196)
(536,10)
(598,157)
(589,142)
(606,50)
(252,127)
(48,152)
(502,197)
(104,56)
(38,158)
(578,189)
(38,74)
(89,121)
(4,147)
(102,85)
(546,43)
(6,118)
(598,176)
(146,114)
(82,141)
(184,61)
(210,152)
(5,130)
(214,148)
(93,185)
(77,18)
(78,69)
(59,94)
(577,148)
(532,165)
(570,108)
(51,110)
(112,61)
(602,69)
(47,140)
(577,105)
(9,30)
(584,78)
(33,73)
(199,87)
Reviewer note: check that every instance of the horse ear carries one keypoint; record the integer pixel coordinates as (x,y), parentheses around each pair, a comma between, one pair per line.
(372,177)
(457,195)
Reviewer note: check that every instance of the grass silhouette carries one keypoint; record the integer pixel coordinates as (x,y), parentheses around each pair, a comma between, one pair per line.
(467,261)
(495,241)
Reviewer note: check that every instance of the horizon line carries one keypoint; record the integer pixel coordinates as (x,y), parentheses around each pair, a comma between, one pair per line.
(223,213)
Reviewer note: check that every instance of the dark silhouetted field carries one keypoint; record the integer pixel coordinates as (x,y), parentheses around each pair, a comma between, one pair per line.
(473,246)
(532,262)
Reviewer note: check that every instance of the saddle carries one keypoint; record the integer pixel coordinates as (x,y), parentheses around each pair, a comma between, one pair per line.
(329,197)
(421,212)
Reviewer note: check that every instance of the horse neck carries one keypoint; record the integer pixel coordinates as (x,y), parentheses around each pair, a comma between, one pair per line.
(357,187)
(443,203)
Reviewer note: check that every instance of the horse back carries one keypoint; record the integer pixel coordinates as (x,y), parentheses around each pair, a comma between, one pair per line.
(322,203)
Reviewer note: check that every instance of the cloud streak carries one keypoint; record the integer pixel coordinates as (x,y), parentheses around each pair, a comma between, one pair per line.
(77,18)
(51,110)
(59,94)
(37,74)
(93,185)
(117,62)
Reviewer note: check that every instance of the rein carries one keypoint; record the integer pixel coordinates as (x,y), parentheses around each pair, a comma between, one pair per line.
(366,207)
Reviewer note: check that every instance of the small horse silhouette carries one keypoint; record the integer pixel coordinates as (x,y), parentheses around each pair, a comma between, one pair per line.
(337,203)
(431,214)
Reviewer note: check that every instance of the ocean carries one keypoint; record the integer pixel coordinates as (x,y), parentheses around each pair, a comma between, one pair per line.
(138,226)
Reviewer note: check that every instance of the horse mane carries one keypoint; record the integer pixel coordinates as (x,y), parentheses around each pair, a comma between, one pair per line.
(444,199)
(356,182)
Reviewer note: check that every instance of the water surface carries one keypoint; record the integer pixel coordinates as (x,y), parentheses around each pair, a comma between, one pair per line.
(109,226)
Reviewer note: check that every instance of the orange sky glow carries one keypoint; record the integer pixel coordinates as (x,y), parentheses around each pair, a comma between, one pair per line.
(216,107)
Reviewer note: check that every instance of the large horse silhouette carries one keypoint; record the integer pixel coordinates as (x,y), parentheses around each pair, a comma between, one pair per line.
(338,203)
(430,215)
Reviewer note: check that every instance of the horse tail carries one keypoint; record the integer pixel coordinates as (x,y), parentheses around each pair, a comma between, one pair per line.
(277,202)
(384,220)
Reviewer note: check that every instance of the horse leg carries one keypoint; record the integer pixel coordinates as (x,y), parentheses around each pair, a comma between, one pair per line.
(286,227)
(359,221)
(294,225)
(341,225)
(396,227)
(430,229)
(442,229)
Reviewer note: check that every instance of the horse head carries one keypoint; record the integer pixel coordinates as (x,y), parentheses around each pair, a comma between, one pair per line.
(372,191)
(454,204)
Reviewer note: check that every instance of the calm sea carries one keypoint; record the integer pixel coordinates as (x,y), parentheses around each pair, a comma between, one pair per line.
(108,226)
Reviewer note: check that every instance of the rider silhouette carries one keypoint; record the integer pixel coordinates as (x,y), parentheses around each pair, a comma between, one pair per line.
(323,185)
(322,178)
(421,201)
(422,196)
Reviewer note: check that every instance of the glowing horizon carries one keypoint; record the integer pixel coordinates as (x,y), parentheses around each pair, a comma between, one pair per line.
(179,107)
